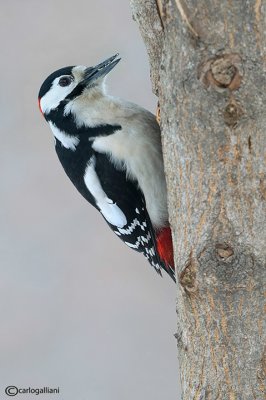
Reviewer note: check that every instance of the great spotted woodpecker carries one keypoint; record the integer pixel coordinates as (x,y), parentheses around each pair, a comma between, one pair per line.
(111,151)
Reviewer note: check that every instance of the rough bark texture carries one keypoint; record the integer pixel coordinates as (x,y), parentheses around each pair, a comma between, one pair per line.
(208,61)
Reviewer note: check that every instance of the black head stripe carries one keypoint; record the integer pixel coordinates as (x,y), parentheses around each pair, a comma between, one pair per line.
(77,91)
(46,86)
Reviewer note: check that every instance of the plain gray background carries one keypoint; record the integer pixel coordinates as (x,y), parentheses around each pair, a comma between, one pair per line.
(78,309)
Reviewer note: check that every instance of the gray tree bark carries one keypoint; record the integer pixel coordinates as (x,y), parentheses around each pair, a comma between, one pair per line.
(208,62)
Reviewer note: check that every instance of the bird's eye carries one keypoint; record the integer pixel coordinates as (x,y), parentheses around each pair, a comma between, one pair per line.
(65,81)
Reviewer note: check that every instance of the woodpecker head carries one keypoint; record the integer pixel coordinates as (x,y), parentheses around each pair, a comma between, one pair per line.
(68,83)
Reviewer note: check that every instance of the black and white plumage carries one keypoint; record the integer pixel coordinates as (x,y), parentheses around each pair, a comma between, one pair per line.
(111,151)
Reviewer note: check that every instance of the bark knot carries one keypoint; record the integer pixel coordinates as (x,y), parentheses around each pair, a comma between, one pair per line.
(222,72)
(224,251)
(188,278)
(232,112)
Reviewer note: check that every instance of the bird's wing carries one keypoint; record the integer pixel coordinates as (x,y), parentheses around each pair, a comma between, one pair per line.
(122,204)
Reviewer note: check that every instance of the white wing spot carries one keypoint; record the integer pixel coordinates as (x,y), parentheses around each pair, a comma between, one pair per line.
(130,229)
(111,212)
(133,246)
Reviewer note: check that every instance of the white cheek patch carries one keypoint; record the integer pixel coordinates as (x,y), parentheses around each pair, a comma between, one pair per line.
(69,142)
(111,212)
(55,95)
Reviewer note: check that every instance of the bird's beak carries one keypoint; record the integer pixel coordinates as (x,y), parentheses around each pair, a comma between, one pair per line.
(100,70)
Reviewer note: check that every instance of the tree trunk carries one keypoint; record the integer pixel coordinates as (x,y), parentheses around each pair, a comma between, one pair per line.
(208,61)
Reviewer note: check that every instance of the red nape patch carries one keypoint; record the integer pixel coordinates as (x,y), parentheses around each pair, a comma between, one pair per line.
(39,104)
(165,247)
